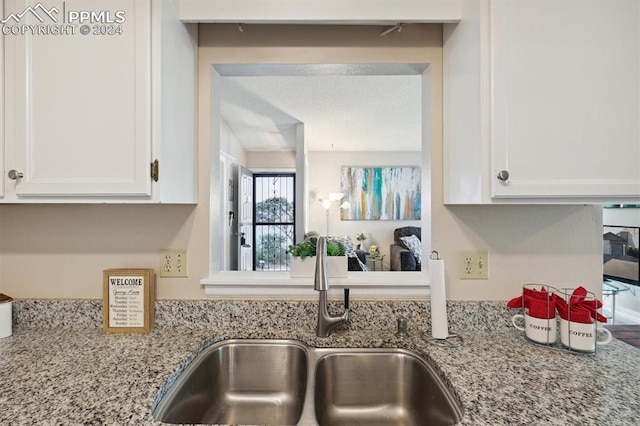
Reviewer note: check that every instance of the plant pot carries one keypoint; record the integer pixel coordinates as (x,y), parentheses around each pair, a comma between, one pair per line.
(306,268)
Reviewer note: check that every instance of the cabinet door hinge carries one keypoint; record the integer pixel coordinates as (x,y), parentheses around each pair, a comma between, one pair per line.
(155,170)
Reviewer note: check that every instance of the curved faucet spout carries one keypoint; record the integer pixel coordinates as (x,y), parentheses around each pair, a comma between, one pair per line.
(326,322)
(320,281)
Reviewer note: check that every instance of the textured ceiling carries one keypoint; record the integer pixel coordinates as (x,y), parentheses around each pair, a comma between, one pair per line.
(346,110)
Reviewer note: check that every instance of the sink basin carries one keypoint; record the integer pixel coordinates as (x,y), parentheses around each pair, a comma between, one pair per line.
(380,387)
(240,382)
(285,382)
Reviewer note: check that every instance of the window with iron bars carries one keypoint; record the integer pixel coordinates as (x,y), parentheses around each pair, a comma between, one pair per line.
(274,220)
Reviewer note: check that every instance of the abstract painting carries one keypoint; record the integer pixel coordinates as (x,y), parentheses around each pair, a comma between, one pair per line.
(381,193)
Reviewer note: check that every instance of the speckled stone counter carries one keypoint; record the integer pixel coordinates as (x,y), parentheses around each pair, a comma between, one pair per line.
(78,375)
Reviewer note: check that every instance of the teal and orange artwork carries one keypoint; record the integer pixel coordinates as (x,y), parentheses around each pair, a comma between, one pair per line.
(381,193)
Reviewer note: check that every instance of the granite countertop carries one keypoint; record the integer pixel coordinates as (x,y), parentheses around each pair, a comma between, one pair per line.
(82,376)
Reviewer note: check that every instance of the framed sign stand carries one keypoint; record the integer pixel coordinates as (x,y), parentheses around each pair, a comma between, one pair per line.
(128,297)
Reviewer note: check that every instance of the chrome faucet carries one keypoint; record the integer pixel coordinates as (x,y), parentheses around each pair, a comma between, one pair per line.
(326,322)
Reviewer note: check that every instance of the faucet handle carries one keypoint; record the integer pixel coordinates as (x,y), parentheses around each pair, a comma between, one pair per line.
(346,298)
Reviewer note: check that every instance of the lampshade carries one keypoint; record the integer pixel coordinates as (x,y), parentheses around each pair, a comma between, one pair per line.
(326,204)
(336,196)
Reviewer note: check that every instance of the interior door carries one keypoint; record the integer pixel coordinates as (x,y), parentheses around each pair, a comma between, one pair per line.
(245,219)
(229,211)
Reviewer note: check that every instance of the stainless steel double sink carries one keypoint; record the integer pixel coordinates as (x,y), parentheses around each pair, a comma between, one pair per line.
(285,382)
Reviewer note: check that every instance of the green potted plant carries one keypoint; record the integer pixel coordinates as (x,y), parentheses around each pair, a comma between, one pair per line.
(303,259)
(361,237)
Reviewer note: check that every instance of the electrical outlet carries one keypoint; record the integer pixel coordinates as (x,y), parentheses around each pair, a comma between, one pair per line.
(173,263)
(473,265)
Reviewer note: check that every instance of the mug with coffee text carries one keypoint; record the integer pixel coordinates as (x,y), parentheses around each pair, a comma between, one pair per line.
(539,330)
(583,337)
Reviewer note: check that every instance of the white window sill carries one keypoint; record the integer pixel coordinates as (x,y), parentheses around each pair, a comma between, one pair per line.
(363,285)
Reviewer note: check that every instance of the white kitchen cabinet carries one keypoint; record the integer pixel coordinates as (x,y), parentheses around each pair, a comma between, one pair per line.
(89,110)
(2,119)
(549,92)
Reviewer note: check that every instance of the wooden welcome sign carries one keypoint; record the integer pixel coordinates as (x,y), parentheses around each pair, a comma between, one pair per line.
(128,297)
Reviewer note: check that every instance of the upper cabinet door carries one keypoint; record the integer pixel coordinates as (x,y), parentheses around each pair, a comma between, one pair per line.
(2,117)
(565,93)
(81,97)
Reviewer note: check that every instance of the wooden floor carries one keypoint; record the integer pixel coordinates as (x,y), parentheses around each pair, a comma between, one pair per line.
(627,333)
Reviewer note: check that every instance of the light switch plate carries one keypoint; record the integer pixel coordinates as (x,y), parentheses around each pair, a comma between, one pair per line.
(473,265)
(173,263)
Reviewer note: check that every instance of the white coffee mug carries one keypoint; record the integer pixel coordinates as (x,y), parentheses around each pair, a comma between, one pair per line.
(583,337)
(539,330)
(5,319)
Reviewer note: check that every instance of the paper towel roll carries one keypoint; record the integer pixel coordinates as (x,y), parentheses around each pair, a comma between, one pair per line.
(439,324)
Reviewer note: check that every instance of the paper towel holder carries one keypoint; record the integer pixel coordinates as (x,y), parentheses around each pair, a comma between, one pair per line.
(453,339)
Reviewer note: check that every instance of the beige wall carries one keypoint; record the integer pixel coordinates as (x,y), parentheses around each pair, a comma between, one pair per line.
(60,251)
(278,160)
